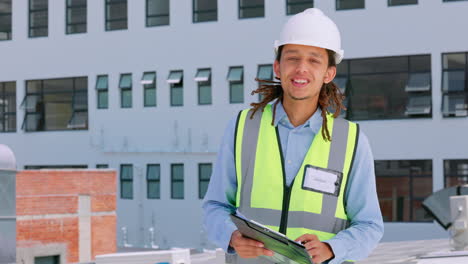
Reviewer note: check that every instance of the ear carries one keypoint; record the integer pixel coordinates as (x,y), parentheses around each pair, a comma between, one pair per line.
(330,74)
(276,68)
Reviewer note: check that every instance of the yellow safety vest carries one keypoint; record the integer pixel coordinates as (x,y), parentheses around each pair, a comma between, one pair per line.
(262,192)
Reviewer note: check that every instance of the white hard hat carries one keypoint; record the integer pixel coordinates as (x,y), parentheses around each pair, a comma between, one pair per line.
(312,28)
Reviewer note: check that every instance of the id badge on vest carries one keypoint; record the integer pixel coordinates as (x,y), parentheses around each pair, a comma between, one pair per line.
(322,180)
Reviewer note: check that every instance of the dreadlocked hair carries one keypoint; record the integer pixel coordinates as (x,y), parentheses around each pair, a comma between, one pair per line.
(330,96)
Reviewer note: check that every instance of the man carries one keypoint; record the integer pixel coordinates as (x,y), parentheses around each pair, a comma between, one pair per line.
(293,166)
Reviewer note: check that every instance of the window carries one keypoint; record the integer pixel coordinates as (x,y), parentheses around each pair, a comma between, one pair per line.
(7,107)
(125,85)
(251,8)
(102,166)
(47,260)
(236,84)
(116,14)
(349,4)
(404,87)
(102,88)
(177,181)
(176,81)
(38,18)
(204,174)
(402,2)
(264,72)
(454,84)
(205,10)
(157,13)
(455,172)
(56,104)
(341,80)
(149,89)
(76,16)
(402,185)
(297,6)
(203,79)
(126,181)
(5,19)
(153,181)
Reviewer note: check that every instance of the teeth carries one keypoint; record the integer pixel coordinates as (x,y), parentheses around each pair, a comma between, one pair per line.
(300,81)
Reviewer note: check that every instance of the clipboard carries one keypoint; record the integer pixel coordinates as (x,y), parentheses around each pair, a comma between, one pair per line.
(286,251)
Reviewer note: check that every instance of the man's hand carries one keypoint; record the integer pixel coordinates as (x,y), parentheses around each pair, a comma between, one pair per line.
(248,248)
(318,251)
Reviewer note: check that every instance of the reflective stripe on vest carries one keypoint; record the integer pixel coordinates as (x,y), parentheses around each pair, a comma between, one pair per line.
(254,139)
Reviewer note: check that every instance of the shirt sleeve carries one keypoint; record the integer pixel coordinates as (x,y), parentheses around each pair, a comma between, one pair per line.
(220,197)
(362,207)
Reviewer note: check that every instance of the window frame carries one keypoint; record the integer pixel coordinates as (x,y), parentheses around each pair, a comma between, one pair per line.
(41,113)
(10,14)
(54,258)
(289,4)
(196,12)
(150,180)
(259,66)
(149,87)
(354,8)
(173,165)
(464,93)
(69,7)
(448,173)
(348,73)
(4,113)
(242,8)
(127,180)
(173,86)
(147,15)
(100,91)
(108,3)
(126,89)
(30,12)
(203,84)
(389,3)
(412,197)
(200,180)
(231,83)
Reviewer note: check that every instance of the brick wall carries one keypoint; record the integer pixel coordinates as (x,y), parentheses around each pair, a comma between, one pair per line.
(48,212)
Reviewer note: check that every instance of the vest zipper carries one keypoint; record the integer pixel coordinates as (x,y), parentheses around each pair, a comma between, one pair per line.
(286,190)
(285,210)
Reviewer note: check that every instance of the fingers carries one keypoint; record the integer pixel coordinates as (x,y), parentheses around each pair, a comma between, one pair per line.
(320,252)
(307,239)
(312,244)
(248,248)
(252,252)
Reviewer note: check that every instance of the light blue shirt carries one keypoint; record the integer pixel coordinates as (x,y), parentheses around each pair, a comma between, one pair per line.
(361,203)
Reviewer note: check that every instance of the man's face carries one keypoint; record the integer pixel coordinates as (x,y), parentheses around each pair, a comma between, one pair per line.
(303,70)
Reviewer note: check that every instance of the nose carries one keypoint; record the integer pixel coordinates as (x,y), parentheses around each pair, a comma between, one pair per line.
(301,67)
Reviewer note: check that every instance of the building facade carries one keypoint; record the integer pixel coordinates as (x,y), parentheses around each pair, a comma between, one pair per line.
(147,87)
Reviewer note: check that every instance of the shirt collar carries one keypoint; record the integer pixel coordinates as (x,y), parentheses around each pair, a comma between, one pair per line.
(314,122)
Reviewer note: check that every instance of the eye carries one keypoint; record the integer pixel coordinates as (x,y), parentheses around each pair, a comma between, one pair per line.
(292,59)
(314,61)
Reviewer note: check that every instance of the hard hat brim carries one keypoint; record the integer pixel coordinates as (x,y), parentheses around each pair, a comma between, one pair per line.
(339,53)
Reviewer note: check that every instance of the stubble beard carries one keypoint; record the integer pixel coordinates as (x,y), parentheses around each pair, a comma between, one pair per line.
(298,98)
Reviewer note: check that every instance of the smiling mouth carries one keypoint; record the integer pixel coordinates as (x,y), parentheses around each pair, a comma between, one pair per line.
(300,82)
